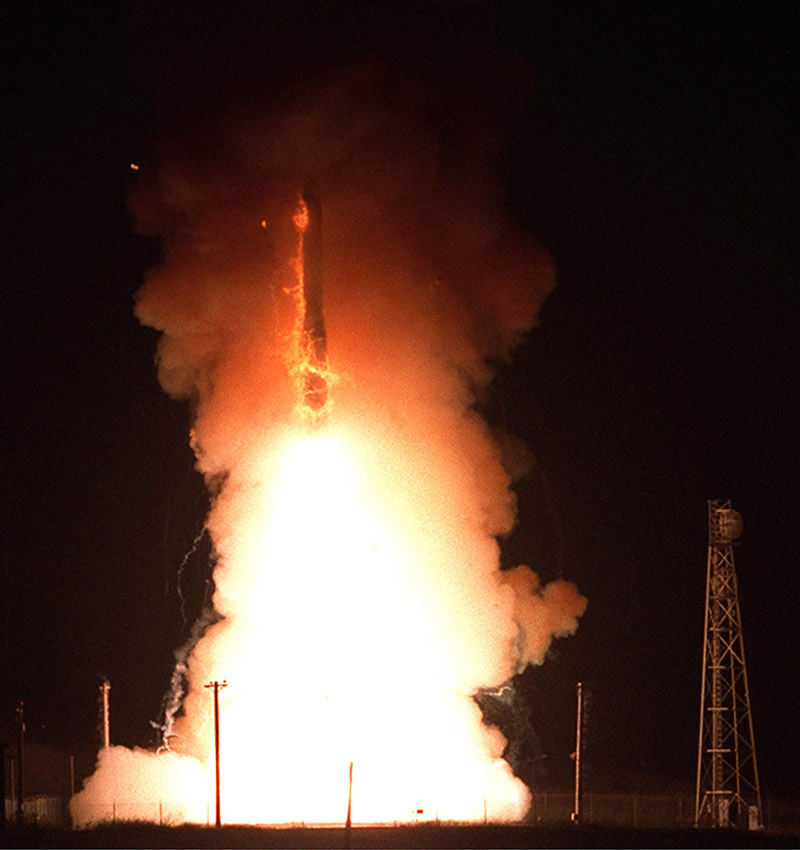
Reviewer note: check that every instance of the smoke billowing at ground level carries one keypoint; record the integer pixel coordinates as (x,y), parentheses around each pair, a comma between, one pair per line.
(358,599)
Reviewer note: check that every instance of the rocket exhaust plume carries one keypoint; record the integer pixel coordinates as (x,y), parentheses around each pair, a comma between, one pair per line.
(357,495)
(315,382)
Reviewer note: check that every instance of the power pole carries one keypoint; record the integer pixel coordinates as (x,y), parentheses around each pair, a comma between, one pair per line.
(20,763)
(576,813)
(348,823)
(217,686)
(728,793)
(3,787)
(104,691)
(350,798)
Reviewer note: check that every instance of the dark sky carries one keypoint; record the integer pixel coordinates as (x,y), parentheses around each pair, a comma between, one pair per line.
(655,159)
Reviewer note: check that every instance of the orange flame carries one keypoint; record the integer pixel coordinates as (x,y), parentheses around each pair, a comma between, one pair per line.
(361,602)
(311,373)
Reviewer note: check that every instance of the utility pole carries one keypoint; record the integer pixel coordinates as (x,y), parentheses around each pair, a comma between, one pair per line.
(217,686)
(348,823)
(3,787)
(20,754)
(349,797)
(728,793)
(576,813)
(104,690)
(5,654)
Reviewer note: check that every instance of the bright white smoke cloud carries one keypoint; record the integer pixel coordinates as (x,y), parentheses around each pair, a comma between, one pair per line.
(357,574)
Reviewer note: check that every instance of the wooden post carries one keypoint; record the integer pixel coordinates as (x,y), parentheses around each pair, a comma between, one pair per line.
(217,686)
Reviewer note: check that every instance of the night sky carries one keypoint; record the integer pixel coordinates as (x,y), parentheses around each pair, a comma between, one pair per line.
(655,158)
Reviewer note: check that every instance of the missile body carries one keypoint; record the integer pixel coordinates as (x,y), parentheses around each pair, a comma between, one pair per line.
(315,383)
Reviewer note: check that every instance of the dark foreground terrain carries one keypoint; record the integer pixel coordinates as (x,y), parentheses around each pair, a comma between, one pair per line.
(421,835)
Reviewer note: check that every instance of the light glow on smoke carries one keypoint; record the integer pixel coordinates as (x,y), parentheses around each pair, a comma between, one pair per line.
(357,577)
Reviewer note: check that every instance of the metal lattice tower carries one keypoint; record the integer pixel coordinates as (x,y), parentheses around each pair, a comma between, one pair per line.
(728,791)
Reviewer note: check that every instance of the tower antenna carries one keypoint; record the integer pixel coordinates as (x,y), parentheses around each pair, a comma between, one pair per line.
(728,792)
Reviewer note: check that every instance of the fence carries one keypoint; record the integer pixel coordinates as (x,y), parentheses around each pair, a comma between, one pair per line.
(41,810)
(163,812)
(660,811)
(636,810)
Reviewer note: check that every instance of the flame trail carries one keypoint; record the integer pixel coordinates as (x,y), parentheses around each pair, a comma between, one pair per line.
(359,604)
(312,347)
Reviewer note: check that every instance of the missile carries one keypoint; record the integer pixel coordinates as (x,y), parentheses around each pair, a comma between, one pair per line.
(315,388)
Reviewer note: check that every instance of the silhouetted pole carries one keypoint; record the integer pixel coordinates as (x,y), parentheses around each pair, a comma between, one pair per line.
(4,677)
(104,689)
(576,814)
(20,750)
(350,797)
(217,686)
(348,822)
(12,772)
(3,787)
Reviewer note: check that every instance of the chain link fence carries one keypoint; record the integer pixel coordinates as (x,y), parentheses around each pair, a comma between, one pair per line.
(658,811)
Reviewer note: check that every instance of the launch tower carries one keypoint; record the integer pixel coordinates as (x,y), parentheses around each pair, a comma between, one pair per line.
(728,792)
